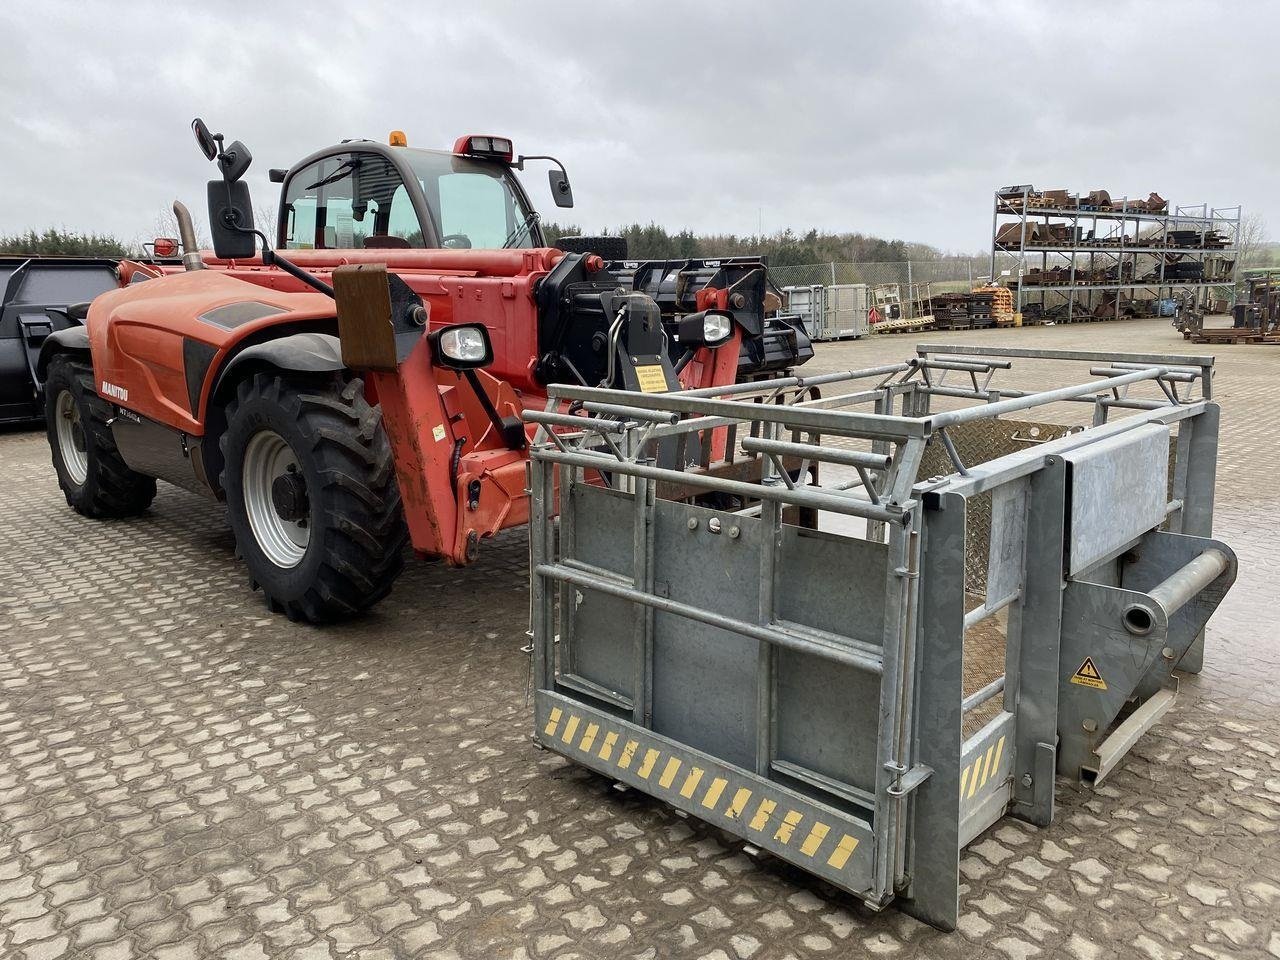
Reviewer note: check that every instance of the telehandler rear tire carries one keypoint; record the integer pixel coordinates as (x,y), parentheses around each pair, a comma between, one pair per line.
(93,476)
(312,495)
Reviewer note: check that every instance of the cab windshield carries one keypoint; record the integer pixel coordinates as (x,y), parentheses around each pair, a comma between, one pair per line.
(358,200)
(473,202)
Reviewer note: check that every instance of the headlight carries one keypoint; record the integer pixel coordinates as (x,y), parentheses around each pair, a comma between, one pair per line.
(708,328)
(716,327)
(462,346)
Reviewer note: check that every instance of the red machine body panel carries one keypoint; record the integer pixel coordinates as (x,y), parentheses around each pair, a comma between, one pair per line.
(459,481)
(137,336)
(493,287)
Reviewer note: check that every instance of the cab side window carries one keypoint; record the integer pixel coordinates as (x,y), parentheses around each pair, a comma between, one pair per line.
(476,207)
(349,201)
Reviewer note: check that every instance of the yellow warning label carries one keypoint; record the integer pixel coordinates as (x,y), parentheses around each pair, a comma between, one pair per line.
(651,378)
(1088,676)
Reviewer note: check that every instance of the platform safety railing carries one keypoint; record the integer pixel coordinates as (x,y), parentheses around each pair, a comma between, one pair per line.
(756,602)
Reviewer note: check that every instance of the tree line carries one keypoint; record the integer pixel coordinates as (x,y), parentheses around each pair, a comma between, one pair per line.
(63,243)
(785,248)
(647,242)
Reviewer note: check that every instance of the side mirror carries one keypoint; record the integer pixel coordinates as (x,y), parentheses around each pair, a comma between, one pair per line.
(561,192)
(462,346)
(234,161)
(231,220)
(208,146)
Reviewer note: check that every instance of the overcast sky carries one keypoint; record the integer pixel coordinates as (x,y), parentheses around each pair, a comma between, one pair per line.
(896,119)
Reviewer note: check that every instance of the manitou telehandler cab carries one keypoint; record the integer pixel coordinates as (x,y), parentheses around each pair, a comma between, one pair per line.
(360,381)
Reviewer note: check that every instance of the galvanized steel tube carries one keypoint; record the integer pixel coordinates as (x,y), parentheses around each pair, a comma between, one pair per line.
(851,656)
(800,497)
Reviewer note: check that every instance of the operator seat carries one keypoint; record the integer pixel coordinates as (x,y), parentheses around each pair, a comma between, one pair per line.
(386,243)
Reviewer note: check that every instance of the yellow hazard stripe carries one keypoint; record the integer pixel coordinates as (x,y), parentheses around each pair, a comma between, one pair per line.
(606,748)
(713,793)
(978,773)
(628,752)
(552,722)
(646,767)
(843,851)
(735,808)
(788,826)
(815,838)
(570,729)
(691,782)
(669,773)
(971,778)
(762,814)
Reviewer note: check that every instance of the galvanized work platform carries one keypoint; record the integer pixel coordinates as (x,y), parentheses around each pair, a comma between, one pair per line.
(783,655)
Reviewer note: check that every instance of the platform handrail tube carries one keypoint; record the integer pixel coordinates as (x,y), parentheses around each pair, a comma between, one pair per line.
(981,696)
(634,413)
(968,393)
(698,423)
(1177,590)
(966,366)
(828,421)
(1129,365)
(848,458)
(978,614)
(852,656)
(587,424)
(1094,356)
(799,497)
(817,380)
(990,410)
(1178,376)
(987,476)
(983,365)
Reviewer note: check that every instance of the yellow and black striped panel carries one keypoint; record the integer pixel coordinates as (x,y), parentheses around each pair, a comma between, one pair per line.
(822,840)
(985,765)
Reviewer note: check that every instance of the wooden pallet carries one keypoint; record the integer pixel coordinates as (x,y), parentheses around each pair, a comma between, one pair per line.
(906,325)
(1230,335)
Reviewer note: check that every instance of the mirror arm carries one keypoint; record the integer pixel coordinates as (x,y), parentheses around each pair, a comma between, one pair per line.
(519,164)
(272,259)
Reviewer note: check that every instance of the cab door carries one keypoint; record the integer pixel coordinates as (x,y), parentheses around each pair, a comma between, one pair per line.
(353,200)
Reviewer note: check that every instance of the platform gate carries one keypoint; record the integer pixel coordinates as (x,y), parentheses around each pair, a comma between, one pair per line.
(802,685)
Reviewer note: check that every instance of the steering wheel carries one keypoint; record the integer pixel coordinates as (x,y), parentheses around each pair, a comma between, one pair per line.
(455,241)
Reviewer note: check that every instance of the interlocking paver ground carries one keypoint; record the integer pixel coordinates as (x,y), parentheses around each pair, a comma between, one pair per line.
(183,775)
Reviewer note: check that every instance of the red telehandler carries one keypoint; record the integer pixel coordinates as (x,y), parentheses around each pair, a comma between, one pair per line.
(358,382)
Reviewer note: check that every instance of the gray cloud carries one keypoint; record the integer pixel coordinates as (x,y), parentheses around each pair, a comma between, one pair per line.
(893,119)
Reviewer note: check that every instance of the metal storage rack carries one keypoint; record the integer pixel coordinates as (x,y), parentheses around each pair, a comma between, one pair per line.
(1097,240)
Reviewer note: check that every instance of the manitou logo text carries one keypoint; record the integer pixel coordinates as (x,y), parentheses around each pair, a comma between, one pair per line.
(111,390)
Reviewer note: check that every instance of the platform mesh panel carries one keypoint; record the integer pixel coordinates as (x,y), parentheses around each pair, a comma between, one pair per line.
(977,442)
(984,644)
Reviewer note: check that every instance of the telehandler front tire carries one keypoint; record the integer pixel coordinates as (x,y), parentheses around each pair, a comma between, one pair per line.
(93,476)
(312,495)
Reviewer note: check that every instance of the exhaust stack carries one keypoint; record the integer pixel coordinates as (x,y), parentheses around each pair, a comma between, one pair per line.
(187,231)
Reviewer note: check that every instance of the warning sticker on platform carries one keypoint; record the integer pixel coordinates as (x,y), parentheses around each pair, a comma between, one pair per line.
(1088,675)
(651,378)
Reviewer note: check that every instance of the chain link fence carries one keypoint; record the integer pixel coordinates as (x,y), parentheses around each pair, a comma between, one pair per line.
(944,275)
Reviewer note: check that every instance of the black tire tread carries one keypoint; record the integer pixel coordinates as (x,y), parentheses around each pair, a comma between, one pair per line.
(361,518)
(111,490)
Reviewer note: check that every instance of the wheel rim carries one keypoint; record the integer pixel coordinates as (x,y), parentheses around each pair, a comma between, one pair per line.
(267,458)
(71,445)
